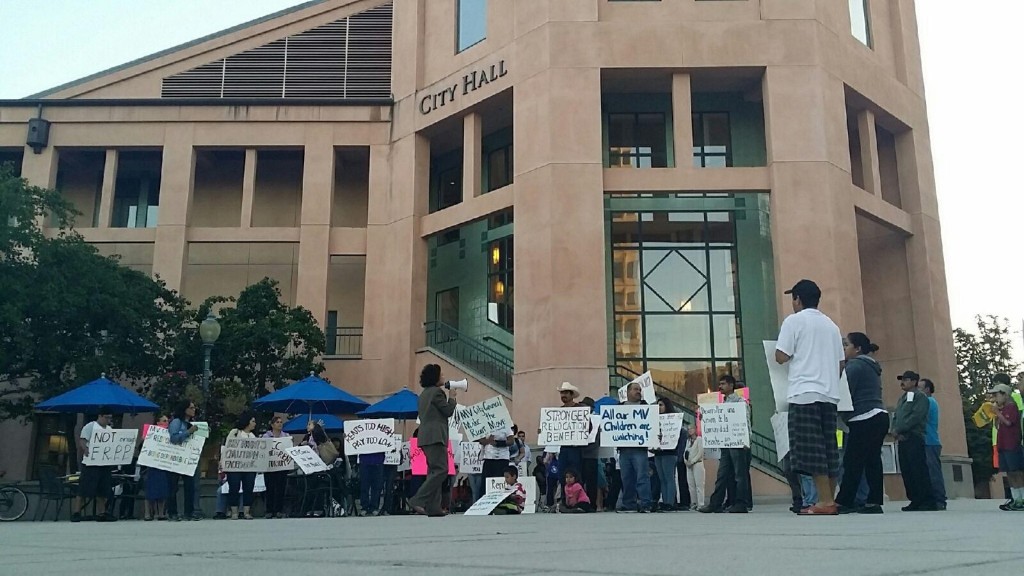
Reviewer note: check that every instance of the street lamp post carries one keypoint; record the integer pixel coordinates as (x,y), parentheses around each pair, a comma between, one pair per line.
(209,331)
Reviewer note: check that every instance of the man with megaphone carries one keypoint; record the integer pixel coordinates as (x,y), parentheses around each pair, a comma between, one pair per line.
(434,411)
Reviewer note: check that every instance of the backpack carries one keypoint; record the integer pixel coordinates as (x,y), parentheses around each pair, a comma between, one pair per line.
(328,453)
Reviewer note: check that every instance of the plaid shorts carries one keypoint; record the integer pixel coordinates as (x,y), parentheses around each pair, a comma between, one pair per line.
(812,439)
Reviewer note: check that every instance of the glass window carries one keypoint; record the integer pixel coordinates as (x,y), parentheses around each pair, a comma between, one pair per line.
(448,307)
(690,378)
(472,23)
(860,23)
(136,202)
(629,338)
(448,188)
(637,140)
(678,336)
(712,146)
(501,283)
(499,168)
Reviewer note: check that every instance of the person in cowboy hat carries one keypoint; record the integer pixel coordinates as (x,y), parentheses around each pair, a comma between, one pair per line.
(569,457)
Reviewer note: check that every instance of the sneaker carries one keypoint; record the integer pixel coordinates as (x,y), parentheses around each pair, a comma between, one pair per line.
(910,508)
(820,510)
(795,509)
(76,517)
(625,511)
(643,510)
(709,510)
(870,509)
(105,518)
(196,517)
(220,516)
(738,510)
(1017,506)
(1005,506)
(847,509)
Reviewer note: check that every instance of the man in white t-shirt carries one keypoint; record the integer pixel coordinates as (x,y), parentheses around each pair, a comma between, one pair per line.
(812,345)
(94,481)
(495,455)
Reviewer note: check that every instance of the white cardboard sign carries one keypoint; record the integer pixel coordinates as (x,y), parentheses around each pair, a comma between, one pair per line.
(629,426)
(779,376)
(485,418)
(529,484)
(158,452)
(245,455)
(725,425)
(308,460)
(469,461)
(670,428)
(564,426)
(780,425)
(278,459)
(487,503)
(111,447)
(394,457)
(370,436)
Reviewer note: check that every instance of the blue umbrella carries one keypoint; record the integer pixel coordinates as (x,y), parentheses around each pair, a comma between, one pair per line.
(311,394)
(402,405)
(297,425)
(99,392)
(605,401)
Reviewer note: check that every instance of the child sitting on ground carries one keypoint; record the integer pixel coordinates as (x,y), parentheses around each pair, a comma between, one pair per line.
(516,500)
(576,499)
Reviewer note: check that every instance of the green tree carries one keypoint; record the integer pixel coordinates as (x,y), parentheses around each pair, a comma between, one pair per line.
(979,355)
(67,313)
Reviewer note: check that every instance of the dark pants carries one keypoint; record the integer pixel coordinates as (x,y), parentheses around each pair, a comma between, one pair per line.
(733,479)
(863,456)
(371,480)
(276,482)
(933,456)
(244,481)
(590,478)
(390,471)
(655,481)
(914,467)
(684,491)
(428,496)
(190,492)
(614,488)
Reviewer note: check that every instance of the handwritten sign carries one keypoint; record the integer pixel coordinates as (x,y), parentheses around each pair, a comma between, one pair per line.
(529,485)
(564,426)
(487,417)
(486,504)
(595,428)
(308,460)
(780,426)
(158,452)
(394,457)
(418,459)
(670,428)
(406,463)
(779,376)
(369,436)
(110,447)
(629,426)
(470,462)
(725,425)
(277,456)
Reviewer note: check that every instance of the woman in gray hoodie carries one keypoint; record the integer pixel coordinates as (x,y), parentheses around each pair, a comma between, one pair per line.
(868,423)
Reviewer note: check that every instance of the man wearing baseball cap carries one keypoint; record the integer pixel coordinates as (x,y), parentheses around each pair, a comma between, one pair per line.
(908,427)
(810,342)
(1008,441)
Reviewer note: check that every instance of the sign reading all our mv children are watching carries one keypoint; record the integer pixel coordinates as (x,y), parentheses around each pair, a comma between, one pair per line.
(629,426)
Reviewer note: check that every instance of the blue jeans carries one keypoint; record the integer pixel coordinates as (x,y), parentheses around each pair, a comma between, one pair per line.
(476,485)
(810,491)
(371,480)
(932,456)
(665,464)
(636,480)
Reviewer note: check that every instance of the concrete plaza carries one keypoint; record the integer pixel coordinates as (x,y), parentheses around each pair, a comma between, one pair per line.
(972,537)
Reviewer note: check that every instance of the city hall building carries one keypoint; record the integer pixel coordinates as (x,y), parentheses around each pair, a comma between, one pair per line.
(527,191)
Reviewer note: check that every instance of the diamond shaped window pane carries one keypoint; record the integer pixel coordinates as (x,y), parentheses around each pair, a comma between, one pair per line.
(675,280)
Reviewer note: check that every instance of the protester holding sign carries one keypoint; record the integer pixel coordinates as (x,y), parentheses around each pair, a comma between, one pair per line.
(181,430)
(569,456)
(95,480)
(665,457)
(276,480)
(732,485)
(434,411)
(156,483)
(241,480)
(636,479)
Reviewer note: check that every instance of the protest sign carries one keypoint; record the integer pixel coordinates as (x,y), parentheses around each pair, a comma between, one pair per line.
(779,376)
(394,457)
(369,436)
(277,457)
(158,452)
(629,426)
(406,463)
(670,427)
(725,425)
(418,460)
(202,429)
(564,426)
(780,425)
(621,393)
(245,455)
(486,418)
(470,462)
(110,447)
(595,428)
(307,459)
(524,468)
(529,485)
(486,504)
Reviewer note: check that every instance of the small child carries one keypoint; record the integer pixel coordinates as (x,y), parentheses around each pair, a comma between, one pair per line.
(514,502)
(576,499)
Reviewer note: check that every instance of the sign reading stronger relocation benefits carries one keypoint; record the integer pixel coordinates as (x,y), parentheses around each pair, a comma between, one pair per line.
(564,426)
(109,447)
(158,452)
(629,426)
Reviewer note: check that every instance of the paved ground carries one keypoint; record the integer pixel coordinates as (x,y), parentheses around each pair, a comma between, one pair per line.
(970,538)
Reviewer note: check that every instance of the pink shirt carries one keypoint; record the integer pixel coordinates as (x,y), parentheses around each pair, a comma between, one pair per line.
(575,494)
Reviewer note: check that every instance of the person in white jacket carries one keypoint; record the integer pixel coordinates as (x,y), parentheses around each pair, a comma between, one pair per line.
(694,458)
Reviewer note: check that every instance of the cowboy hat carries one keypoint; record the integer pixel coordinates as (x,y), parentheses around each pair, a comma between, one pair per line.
(566,387)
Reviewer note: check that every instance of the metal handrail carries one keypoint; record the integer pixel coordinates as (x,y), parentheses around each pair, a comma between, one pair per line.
(499,343)
(762,447)
(344,341)
(485,361)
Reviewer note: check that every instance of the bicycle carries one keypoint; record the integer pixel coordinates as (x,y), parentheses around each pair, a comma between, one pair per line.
(13,503)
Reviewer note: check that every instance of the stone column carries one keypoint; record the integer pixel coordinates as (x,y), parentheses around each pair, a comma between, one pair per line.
(870,172)
(472,156)
(248,186)
(107,189)
(682,123)
(40,170)
(315,222)
(177,176)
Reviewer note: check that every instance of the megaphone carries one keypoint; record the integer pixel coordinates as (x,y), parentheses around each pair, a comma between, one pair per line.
(457,385)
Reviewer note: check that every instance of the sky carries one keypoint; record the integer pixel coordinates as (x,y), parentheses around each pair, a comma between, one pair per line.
(968,51)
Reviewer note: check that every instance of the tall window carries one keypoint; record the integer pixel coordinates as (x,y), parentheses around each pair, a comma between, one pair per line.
(446,180)
(500,283)
(637,140)
(860,22)
(472,23)
(711,142)
(136,202)
(499,168)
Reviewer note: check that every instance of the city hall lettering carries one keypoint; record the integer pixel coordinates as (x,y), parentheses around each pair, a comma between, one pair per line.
(470,82)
